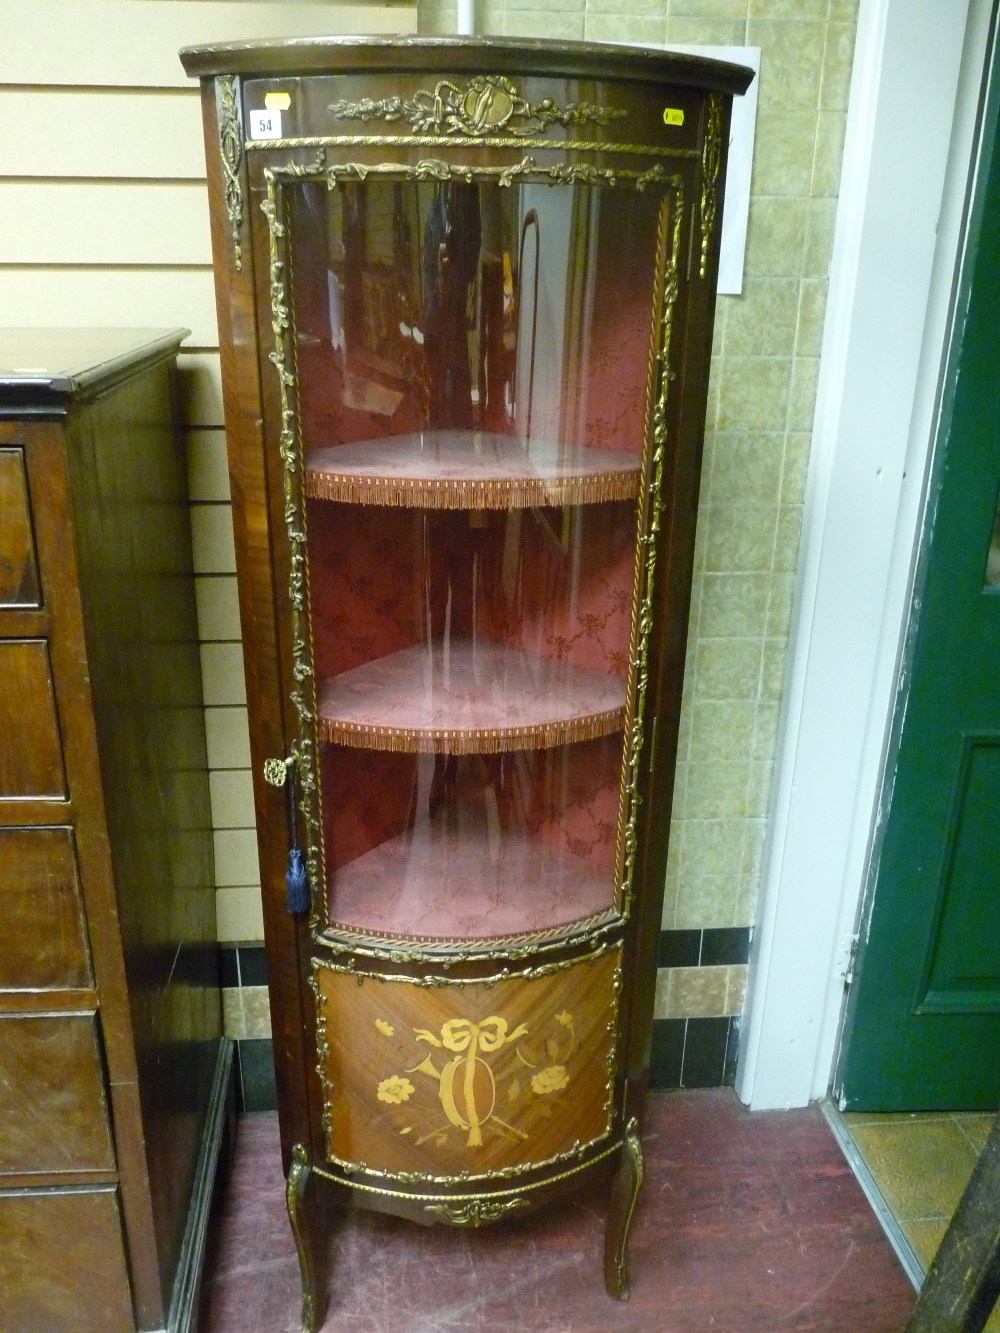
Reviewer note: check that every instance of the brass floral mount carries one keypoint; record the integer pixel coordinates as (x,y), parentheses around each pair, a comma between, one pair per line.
(488,103)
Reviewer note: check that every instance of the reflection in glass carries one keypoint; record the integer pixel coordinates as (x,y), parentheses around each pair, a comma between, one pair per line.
(472,400)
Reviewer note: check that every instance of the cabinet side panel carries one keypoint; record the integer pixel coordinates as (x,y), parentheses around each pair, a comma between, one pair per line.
(134,549)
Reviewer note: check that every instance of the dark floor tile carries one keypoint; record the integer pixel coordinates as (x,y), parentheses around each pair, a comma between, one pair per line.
(747,1223)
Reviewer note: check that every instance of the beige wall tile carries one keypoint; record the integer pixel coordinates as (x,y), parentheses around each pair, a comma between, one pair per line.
(830,129)
(727,668)
(776,236)
(239,915)
(708,9)
(717,789)
(245,1012)
(753,394)
(794,467)
(208,470)
(791,67)
(222,674)
(638,29)
(740,539)
(228,736)
(783,151)
(789,9)
(714,846)
(236,860)
(802,393)
(543,23)
(763,323)
(722,729)
(699,992)
(218,607)
(232,798)
(838,62)
(256,1012)
(734,605)
(212,544)
(746,469)
(684,31)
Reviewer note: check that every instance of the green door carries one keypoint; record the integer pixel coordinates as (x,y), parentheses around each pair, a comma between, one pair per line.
(923,1023)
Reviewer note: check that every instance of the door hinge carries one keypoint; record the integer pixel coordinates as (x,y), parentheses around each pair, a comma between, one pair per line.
(847,957)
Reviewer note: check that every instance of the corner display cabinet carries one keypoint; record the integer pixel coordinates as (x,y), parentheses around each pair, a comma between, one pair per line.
(465,294)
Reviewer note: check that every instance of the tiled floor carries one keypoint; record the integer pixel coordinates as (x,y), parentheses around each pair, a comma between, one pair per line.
(919,1166)
(747,1223)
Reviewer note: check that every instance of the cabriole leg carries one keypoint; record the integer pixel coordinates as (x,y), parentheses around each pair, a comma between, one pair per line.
(301,1203)
(625,1187)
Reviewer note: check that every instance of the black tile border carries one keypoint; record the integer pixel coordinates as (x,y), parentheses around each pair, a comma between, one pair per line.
(242,965)
(256,1089)
(714,946)
(694,1052)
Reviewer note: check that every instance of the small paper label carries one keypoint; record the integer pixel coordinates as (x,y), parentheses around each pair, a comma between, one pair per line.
(265,124)
(277,101)
(673,116)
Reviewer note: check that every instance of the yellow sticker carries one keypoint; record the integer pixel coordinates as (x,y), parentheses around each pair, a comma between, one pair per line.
(277,101)
(673,116)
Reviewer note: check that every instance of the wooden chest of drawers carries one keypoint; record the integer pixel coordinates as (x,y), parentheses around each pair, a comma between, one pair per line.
(113,1073)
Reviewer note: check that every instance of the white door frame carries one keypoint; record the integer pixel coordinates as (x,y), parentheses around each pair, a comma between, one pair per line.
(910,134)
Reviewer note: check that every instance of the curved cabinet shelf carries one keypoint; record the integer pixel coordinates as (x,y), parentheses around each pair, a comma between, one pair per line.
(469,469)
(433,883)
(468,697)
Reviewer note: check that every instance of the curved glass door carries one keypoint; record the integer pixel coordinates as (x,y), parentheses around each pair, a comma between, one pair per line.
(472,400)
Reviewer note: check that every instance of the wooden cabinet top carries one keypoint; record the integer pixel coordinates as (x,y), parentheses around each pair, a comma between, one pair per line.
(482,55)
(47,367)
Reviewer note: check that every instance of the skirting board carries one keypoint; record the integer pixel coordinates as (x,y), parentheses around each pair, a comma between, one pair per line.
(219,1130)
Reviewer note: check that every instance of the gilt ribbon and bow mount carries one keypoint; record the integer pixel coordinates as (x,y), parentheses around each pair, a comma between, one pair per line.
(488,104)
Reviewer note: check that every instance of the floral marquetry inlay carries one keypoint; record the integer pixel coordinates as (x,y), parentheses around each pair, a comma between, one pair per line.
(467,1083)
(466,1078)
(488,103)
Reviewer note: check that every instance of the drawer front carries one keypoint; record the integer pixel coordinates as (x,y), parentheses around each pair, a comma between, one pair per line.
(62,1263)
(470,1077)
(45,942)
(53,1113)
(19,585)
(30,756)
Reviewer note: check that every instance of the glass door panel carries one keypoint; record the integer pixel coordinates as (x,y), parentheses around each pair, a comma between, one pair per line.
(472,415)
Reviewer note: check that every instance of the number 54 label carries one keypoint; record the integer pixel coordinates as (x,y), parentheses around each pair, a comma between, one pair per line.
(265,124)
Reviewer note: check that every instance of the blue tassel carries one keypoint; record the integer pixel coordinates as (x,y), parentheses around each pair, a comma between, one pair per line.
(296,884)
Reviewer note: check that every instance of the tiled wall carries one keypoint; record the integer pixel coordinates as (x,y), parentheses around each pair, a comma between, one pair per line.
(763,386)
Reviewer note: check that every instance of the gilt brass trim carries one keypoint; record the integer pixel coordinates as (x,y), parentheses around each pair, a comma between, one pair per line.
(295,1185)
(341,939)
(325,141)
(231,146)
(478,1213)
(635,1163)
(669,242)
(290,449)
(711,164)
(519,1190)
(489,102)
(505,974)
(436,169)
